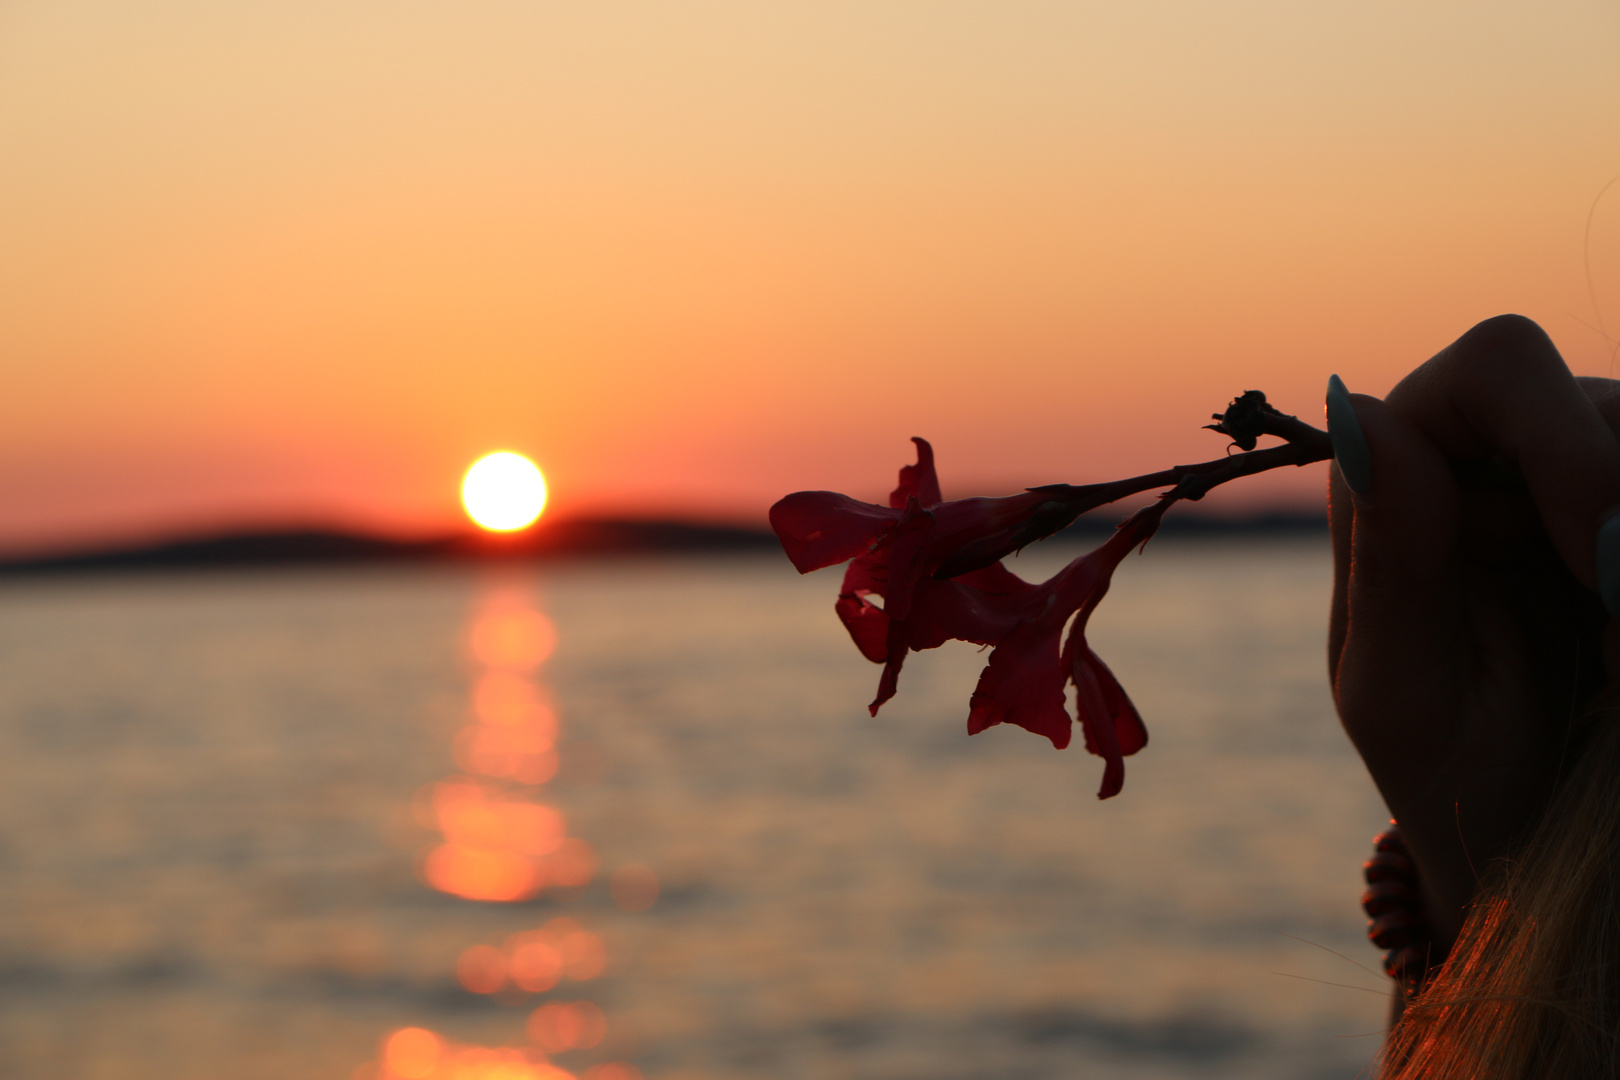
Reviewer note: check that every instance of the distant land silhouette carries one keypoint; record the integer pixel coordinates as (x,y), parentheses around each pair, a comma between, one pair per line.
(568,538)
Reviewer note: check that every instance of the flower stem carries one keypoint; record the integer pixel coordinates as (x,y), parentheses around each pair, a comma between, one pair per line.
(1193,482)
(1245,420)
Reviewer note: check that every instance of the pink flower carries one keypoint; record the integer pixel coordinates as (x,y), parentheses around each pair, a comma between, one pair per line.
(896,551)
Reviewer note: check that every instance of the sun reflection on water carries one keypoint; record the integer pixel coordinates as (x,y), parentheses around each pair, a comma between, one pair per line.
(499,843)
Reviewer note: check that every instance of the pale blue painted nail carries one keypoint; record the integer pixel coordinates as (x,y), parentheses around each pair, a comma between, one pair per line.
(1350,445)
(1608,564)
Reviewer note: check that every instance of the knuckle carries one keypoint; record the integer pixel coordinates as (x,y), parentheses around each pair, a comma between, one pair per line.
(1508,346)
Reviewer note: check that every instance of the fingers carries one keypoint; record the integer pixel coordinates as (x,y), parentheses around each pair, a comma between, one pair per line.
(1501,393)
(1402,651)
(1393,546)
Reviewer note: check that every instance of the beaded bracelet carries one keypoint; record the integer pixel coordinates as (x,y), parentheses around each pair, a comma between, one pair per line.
(1394,903)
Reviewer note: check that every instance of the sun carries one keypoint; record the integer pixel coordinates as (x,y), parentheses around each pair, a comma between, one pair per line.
(503,492)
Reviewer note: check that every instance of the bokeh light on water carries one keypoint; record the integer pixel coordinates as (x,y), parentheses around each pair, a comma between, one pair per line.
(502,844)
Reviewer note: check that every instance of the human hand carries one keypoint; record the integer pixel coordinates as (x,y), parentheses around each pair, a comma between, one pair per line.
(1466,629)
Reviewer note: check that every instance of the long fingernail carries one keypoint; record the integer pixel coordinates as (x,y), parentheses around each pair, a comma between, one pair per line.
(1350,445)
(1608,564)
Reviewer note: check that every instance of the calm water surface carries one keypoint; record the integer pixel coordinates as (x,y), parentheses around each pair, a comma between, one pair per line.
(245,820)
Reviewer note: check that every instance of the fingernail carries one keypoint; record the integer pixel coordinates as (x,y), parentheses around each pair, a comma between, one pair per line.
(1608,564)
(1350,445)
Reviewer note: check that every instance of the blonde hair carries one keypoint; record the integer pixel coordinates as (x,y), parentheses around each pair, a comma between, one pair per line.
(1531,989)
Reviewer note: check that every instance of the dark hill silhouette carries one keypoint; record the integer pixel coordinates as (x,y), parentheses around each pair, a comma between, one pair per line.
(583,536)
(561,539)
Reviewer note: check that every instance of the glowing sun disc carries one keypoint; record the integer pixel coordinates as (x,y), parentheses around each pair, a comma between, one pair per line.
(503,492)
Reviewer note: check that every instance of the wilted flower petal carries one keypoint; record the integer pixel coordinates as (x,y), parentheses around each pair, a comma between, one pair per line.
(1112,727)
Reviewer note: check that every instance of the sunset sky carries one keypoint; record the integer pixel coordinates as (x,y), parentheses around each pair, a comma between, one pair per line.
(293,262)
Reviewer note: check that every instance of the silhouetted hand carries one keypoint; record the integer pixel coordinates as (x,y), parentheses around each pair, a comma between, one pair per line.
(1466,630)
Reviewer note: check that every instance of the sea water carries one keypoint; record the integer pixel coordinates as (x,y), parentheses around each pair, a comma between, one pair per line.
(255,824)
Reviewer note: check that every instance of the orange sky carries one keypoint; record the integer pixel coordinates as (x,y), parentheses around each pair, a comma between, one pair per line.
(264,262)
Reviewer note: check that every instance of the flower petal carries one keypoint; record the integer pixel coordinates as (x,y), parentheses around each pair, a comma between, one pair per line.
(918,481)
(821,528)
(889,681)
(1023,684)
(942,611)
(996,580)
(867,625)
(1112,726)
(902,549)
(976,533)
